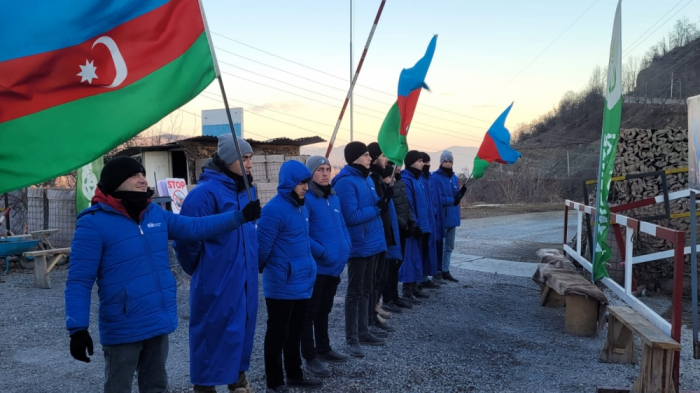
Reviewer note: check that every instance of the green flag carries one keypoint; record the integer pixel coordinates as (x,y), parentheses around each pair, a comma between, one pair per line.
(608,148)
(87,183)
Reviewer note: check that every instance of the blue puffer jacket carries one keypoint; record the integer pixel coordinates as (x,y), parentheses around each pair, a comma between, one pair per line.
(448,188)
(283,236)
(131,264)
(394,252)
(224,285)
(358,202)
(411,270)
(430,260)
(330,240)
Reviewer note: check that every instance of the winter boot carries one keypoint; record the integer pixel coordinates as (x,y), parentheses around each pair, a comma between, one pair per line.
(449,277)
(316,368)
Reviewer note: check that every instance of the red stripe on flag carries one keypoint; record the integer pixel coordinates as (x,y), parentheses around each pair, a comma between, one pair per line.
(147,43)
(407,107)
(488,151)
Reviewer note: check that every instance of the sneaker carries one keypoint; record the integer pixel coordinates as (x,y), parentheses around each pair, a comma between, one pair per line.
(372,340)
(242,386)
(412,299)
(386,327)
(421,295)
(382,312)
(316,368)
(355,350)
(333,356)
(438,278)
(428,284)
(279,389)
(391,307)
(448,276)
(306,381)
(377,331)
(401,303)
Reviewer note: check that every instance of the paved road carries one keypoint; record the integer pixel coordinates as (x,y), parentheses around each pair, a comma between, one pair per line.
(513,238)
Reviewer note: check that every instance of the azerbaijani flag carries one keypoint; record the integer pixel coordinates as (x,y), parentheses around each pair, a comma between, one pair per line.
(392,134)
(495,147)
(78,78)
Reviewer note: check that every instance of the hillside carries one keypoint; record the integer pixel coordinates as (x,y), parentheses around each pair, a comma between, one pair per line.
(575,125)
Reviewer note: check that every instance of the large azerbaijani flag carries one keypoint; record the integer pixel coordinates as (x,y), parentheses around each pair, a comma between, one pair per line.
(79,78)
(495,146)
(394,130)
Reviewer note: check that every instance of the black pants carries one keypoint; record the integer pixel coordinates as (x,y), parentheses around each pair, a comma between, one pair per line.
(316,323)
(381,274)
(357,299)
(439,247)
(285,323)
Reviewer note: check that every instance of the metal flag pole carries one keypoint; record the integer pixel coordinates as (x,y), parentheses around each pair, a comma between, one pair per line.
(223,94)
(354,79)
(694,270)
(351,66)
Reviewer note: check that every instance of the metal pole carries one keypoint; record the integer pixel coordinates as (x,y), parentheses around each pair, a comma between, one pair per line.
(568,171)
(223,94)
(7,206)
(671,84)
(352,62)
(354,78)
(694,271)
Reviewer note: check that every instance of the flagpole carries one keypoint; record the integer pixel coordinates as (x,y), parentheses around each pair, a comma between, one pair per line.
(223,94)
(354,79)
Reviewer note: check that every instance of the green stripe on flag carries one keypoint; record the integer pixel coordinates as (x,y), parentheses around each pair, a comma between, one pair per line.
(479,167)
(58,140)
(393,144)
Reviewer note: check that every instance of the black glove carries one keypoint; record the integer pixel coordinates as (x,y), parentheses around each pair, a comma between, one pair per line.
(457,199)
(389,192)
(383,204)
(417,233)
(79,342)
(461,193)
(252,210)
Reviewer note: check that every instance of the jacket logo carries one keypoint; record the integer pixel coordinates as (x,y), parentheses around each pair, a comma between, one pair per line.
(153,225)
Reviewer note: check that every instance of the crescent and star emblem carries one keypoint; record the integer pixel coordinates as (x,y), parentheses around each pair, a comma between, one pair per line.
(88,71)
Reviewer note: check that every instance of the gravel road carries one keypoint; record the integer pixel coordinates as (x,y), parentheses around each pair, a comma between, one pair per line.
(485,334)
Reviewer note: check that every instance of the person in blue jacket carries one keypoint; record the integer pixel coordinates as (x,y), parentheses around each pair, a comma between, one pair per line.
(430,257)
(330,247)
(446,185)
(394,255)
(121,242)
(411,270)
(224,270)
(361,208)
(289,274)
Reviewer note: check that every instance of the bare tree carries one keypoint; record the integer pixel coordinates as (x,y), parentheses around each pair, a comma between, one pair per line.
(630,71)
(597,80)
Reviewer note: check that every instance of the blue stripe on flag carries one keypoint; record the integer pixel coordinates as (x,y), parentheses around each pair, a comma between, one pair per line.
(30,27)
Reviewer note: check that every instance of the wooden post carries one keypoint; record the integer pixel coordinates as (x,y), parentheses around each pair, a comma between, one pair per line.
(581,316)
(619,345)
(41,277)
(656,374)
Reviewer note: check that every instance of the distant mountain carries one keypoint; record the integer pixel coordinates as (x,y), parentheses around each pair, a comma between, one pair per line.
(463,155)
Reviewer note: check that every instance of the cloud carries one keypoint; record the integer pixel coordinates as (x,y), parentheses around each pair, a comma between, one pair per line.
(285,106)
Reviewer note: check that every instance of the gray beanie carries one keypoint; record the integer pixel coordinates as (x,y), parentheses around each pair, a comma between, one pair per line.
(446,156)
(316,161)
(227,149)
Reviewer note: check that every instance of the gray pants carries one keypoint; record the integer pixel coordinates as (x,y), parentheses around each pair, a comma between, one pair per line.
(360,280)
(147,358)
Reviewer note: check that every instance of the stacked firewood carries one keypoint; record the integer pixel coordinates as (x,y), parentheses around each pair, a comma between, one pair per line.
(645,151)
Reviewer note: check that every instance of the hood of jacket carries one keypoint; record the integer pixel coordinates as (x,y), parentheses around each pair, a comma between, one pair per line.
(291,174)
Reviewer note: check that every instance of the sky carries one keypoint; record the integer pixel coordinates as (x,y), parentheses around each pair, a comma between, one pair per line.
(288,63)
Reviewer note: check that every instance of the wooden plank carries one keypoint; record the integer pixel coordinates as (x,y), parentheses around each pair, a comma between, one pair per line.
(648,333)
(45,232)
(50,252)
(581,317)
(54,261)
(619,345)
(41,278)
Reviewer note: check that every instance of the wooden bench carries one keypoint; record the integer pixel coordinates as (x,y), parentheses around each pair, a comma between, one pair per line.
(656,373)
(582,312)
(41,268)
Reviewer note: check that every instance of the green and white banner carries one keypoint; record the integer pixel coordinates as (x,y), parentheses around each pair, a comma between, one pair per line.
(86,183)
(608,149)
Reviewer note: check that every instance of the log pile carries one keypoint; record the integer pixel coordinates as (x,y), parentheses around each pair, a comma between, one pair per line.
(644,151)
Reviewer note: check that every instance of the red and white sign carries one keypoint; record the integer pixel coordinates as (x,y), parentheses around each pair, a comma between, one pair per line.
(176,189)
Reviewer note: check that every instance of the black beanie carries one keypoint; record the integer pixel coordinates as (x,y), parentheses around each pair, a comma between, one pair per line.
(426,157)
(388,170)
(116,171)
(354,150)
(412,157)
(374,150)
